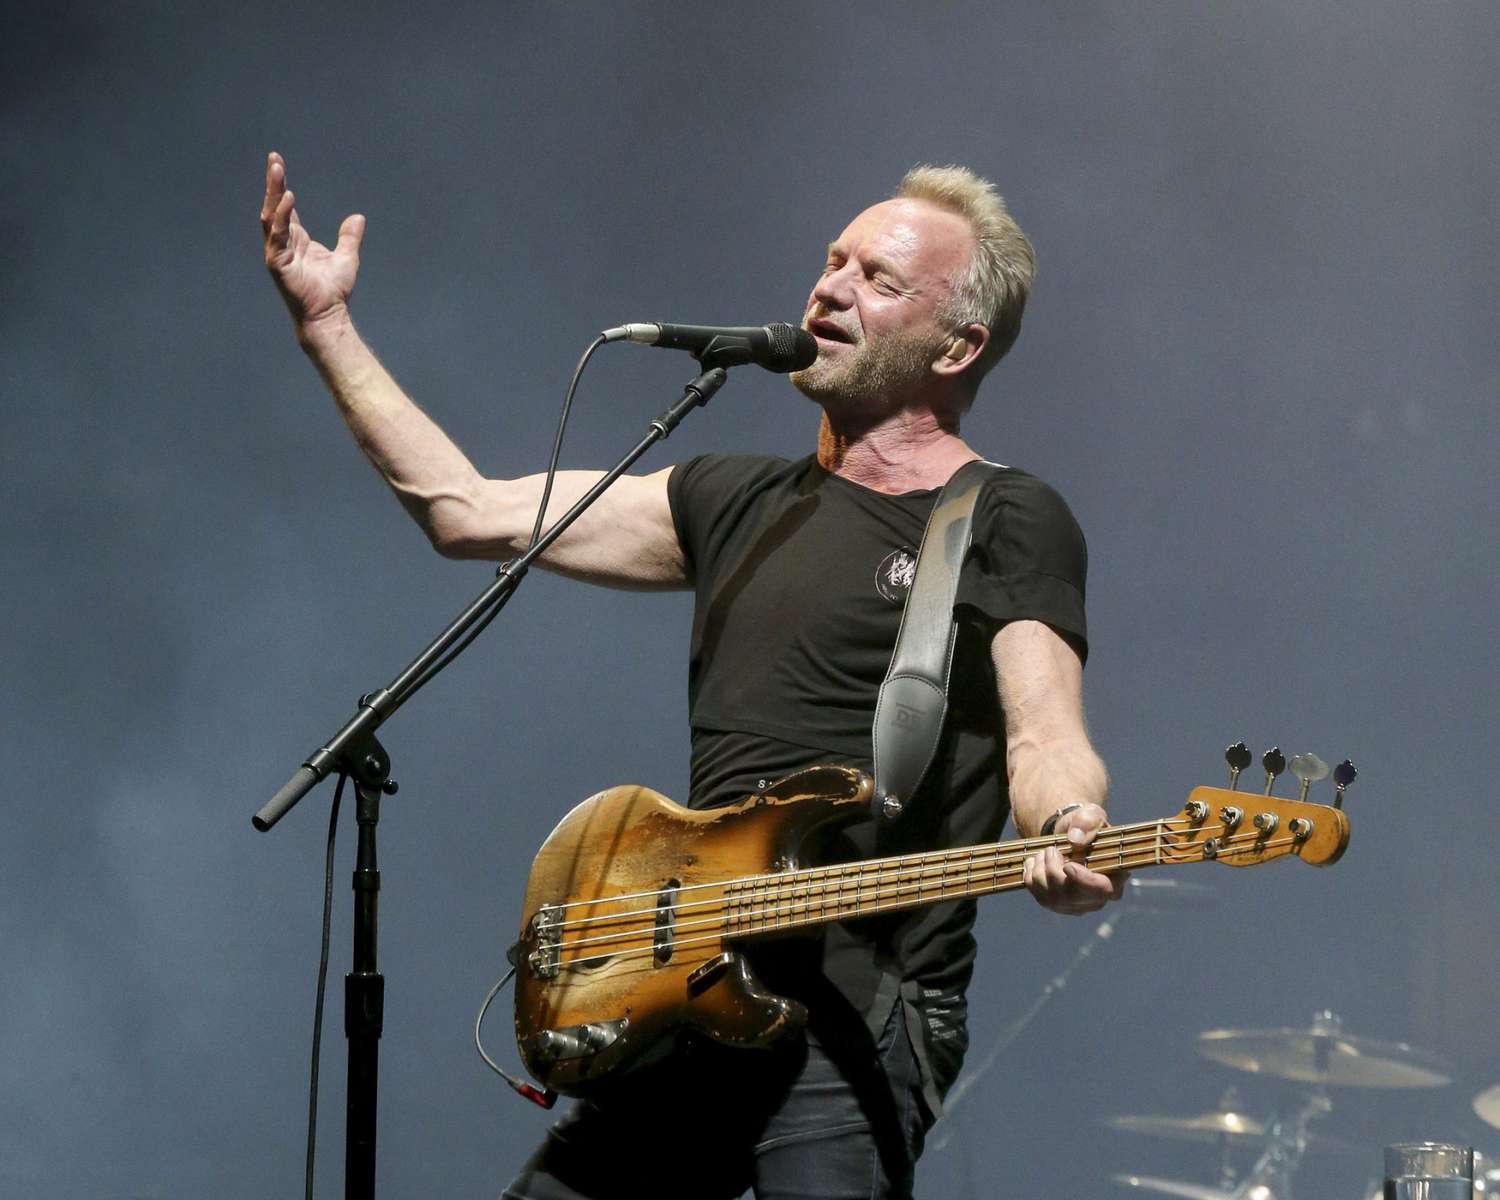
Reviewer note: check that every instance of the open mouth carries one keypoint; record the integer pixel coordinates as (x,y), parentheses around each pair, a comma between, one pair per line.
(825,330)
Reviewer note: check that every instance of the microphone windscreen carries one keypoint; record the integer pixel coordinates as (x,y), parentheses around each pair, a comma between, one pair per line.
(792,349)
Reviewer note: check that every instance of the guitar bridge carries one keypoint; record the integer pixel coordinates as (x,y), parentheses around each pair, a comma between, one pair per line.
(546,928)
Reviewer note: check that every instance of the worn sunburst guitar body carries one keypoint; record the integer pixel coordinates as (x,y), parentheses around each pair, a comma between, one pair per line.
(636,907)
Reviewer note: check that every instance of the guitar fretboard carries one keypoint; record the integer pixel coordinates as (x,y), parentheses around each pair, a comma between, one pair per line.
(817,895)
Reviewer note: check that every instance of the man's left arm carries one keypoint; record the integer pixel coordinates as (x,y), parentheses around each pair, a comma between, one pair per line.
(1051,764)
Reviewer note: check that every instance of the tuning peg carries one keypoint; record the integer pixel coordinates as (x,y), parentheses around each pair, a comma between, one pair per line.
(1309,768)
(1238,758)
(1274,762)
(1343,775)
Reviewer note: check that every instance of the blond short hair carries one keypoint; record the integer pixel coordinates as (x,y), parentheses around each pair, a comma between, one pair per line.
(991,291)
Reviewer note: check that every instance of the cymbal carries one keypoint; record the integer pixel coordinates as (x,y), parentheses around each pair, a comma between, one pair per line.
(1171,1187)
(1205,1127)
(1324,1053)
(1487,1106)
(1212,1126)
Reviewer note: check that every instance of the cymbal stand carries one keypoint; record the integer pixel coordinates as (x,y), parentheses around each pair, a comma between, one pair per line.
(1286,1142)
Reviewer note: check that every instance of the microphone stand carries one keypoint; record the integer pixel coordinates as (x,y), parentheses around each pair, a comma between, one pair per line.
(952,1117)
(1101,933)
(354,751)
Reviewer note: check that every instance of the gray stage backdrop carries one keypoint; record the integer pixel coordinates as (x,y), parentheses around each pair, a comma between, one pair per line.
(1260,361)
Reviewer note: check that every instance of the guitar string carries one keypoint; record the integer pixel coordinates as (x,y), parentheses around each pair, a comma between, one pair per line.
(843,877)
(852,878)
(883,889)
(875,887)
(796,920)
(921,860)
(1012,881)
(1040,843)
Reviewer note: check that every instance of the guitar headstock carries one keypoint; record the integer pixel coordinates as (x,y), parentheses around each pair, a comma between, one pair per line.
(1242,829)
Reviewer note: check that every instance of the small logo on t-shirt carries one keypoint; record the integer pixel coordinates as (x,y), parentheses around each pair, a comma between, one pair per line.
(894,574)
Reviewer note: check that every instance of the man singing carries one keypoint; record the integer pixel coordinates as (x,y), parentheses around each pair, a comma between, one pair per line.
(800,571)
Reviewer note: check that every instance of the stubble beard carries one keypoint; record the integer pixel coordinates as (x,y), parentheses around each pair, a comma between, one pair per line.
(868,378)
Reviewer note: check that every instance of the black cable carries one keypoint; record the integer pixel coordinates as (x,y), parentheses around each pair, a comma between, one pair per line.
(536,530)
(545,1097)
(317,1038)
(562,423)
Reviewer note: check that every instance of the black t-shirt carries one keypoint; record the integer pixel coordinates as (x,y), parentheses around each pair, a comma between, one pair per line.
(801,577)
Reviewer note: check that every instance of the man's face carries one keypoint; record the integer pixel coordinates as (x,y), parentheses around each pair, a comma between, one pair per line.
(874,308)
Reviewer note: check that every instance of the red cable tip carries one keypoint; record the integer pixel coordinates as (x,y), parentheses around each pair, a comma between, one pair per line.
(536,1095)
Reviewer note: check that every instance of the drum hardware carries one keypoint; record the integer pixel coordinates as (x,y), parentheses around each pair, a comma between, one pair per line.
(1287,1141)
(1320,1055)
(1225,1127)
(1487,1107)
(1324,1055)
(1212,1126)
(1217,1125)
(1171,1187)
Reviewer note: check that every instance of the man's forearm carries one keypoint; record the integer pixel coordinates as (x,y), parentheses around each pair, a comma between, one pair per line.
(1047,776)
(434,480)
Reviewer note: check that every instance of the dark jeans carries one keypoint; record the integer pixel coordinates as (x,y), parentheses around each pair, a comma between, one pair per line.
(831,1117)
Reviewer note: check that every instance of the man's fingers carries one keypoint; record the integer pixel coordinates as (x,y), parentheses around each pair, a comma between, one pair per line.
(275,187)
(1053,864)
(281,215)
(1090,881)
(351,234)
(1035,877)
(1065,886)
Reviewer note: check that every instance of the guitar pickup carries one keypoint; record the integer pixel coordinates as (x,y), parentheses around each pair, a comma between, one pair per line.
(666,915)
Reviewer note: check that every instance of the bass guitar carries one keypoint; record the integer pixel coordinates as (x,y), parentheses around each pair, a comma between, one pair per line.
(636,907)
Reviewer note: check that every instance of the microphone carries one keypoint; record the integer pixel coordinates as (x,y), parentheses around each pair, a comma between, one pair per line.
(777,347)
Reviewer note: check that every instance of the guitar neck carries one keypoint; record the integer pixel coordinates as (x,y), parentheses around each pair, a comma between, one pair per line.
(815,896)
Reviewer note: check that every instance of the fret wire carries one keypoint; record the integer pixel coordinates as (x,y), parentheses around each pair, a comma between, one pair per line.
(1249,840)
(1027,844)
(1009,885)
(636,951)
(913,861)
(774,902)
(773,897)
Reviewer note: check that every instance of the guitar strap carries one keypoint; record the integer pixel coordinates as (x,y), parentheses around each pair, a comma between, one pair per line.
(914,697)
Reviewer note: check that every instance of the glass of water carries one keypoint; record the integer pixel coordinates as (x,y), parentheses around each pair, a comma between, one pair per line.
(1429,1171)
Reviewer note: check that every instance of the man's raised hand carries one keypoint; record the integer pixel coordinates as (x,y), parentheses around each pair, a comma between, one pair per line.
(314,281)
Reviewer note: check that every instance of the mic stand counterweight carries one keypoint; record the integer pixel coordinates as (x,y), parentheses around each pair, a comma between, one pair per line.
(354,751)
